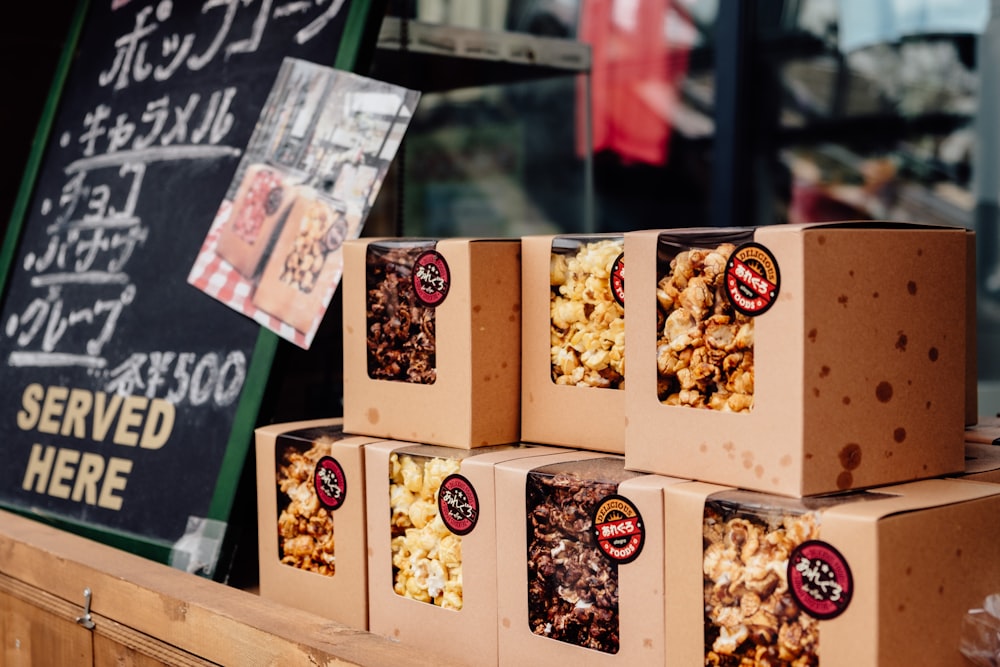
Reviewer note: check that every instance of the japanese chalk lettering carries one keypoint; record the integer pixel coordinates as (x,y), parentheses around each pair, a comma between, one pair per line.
(82,271)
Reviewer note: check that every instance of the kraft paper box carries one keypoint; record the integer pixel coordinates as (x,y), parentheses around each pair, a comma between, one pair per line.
(311,519)
(882,577)
(432,340)
(432,558)
(797,359)
(581,561)
(986,432)
(573,341)
(971,333)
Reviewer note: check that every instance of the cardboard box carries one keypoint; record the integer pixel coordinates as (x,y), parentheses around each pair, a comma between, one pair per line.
(971,333)
(849,364)
(986,432)
(982,463)
(581,564)
(573,341)
(432,559)
(860,579)
(322,568)
(432,355)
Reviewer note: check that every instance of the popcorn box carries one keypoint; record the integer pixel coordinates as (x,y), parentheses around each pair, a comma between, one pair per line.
(262,200)
(573,339)
(311,519)
(860,579)
(581,565)
(432,340)
(797,359)
(305,266)
(432,558)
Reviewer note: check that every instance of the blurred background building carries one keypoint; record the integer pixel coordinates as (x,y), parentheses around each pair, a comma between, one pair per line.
(692,113)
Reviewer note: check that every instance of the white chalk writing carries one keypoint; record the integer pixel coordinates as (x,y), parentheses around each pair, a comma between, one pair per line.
(82,270)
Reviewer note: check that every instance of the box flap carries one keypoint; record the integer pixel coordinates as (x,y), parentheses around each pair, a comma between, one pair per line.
(913,496)
(981,458)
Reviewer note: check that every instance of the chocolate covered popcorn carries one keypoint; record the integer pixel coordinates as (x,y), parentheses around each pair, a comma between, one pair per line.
(400,330)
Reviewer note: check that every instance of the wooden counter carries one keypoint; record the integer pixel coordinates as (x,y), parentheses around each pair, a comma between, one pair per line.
(145,614)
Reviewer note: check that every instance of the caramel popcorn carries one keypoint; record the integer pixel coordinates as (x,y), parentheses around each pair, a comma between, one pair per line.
(587,323)
(426,556)
(704,352)
(305,527)
(751,617)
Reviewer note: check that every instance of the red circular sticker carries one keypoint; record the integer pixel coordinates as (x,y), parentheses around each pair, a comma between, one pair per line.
(458,504)
(820,579)
(619,529)
(431,278)
(618,279)
(752,279)
(330,483)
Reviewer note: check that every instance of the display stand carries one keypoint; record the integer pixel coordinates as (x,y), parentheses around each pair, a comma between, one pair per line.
(66,600)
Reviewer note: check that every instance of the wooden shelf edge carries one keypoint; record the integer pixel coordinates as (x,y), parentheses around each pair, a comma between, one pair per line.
(207,619)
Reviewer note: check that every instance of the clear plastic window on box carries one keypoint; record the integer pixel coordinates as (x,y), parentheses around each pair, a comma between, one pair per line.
(400,329)
(572,584)
(305,522)
(587,311)
(704,345)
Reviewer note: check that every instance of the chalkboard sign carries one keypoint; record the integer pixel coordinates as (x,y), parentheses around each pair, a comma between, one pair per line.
(129,398)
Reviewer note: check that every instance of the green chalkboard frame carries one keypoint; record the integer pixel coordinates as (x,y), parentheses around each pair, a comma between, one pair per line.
(354,53)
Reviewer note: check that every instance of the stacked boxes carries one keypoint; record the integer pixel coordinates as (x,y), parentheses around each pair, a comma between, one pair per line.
(432,340)
(769,487)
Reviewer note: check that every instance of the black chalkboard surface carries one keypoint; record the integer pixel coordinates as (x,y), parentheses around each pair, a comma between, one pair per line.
(128,398)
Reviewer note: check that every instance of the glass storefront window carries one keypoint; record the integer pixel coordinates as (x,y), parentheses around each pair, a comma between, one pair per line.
(840,109)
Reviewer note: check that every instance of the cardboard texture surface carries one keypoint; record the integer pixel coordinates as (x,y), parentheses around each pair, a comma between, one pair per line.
(459,572)
(858,364)
(986,431)
(971,330)
(580,416)
(982,463)
(341,595)
(908,562)
(474,398)
(640,619)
